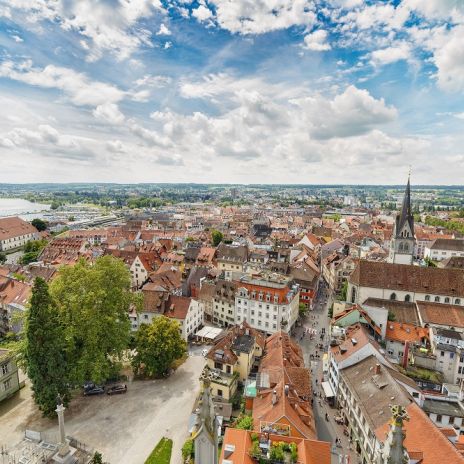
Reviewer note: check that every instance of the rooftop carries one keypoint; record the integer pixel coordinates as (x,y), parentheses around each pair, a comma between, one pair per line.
(444,408)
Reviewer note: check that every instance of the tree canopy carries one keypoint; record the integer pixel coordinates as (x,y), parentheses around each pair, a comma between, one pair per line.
(216,237)
(158,345)
(93,302)
(39,224)
(44,350)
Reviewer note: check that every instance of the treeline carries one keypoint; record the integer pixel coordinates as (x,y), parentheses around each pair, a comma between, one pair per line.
(451,224)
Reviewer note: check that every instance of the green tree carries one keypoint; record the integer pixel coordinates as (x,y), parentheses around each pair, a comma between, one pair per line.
(188,450)
(344,291)
(97,458)
(44,350)
(32,250)
(94,302)
(158,345)
(2,257)
(302,309)
(216,237)
(39,224)
(244,423)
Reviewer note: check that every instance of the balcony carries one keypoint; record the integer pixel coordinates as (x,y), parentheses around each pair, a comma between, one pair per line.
(218,377)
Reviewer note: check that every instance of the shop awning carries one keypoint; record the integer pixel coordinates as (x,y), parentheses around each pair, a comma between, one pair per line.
(328,392)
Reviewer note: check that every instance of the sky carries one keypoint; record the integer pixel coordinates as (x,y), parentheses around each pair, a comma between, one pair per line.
(241,91)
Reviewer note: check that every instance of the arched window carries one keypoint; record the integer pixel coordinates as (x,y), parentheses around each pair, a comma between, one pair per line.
(406,247)
(393,296)
(427,297)
(407,298)
(447,300)
(437,299)
(400,247)
(457,301)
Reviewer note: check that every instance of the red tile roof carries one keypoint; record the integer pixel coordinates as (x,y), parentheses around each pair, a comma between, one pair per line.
(15,227)
(423,437)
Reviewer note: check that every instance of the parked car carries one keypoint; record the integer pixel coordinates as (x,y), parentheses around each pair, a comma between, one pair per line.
(117,389)
(94,390)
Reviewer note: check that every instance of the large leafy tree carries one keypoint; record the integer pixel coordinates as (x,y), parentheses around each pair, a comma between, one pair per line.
(158,345)
(44,349)
(216,237)
(39,224)
(94,301)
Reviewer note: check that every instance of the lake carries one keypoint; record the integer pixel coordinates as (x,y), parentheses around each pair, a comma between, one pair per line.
(23,208)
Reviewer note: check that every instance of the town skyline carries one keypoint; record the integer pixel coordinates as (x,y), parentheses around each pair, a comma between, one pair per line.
(281,93)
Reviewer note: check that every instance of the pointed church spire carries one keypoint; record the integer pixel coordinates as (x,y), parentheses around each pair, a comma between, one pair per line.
(406,215)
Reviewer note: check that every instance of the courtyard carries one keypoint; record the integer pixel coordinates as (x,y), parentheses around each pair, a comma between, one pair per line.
(125,428)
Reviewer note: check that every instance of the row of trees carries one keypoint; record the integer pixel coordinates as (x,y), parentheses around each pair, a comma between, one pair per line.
(78,329)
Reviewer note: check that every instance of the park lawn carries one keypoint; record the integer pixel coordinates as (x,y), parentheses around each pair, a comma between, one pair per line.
(162,453)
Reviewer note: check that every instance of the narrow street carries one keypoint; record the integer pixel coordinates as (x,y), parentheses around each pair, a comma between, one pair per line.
(318,321)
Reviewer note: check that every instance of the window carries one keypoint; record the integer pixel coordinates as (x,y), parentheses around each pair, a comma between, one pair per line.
(437,299)
(451,420)
(218,365)
(447,300)
(439,417)
(5,369)
(451,355)
(415,394)
(407,298)
(393,296)
(7,384)
(219,392)
(457,301)
(228,369)
(427,297)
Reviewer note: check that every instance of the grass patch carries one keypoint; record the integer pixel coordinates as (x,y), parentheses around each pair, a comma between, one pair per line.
(422,373)
(162,453)
(178,362)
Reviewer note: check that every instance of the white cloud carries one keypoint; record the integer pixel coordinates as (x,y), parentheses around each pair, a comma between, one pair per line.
(167,45)
(109,112)
(353,112)
(163,30)
(202,13)
(17,39)
(258,17)
(317,41)
(449,59)
(391,54)
(116,146)
(50,142)
(150,80)
(107,26)
(5,12)
(76,86)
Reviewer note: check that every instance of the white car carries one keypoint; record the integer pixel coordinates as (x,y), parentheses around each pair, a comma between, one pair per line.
(205,352)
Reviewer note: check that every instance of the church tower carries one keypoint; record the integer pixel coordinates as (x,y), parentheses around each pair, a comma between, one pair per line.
(403,240)
(206,437)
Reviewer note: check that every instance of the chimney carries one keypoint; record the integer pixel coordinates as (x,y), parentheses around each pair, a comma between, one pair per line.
(274,397)
(287,388)
(377,369)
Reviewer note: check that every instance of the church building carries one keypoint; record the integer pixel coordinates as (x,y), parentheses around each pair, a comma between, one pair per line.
(403,239)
